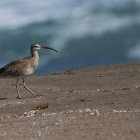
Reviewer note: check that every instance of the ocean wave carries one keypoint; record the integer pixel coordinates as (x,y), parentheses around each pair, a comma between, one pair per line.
(17,13)
(104,31)
(134,52)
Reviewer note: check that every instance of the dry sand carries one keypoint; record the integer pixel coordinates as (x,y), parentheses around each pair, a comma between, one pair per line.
(87,104)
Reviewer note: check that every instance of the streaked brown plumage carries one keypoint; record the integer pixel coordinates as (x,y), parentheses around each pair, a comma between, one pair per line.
(22,68)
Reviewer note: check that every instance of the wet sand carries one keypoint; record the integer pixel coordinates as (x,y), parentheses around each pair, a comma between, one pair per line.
(100,103)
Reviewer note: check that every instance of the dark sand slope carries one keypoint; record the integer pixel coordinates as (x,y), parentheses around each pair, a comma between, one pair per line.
(86,104)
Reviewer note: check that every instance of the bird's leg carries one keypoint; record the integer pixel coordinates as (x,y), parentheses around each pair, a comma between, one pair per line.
(25,86)
(18,95)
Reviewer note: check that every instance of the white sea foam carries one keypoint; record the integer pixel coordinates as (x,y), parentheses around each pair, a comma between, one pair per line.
(17,13)
(134,52)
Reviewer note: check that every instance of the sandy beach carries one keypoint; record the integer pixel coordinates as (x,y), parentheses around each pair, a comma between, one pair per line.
(97,103)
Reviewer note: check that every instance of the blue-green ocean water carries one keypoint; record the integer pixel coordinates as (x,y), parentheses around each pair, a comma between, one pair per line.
(85,32)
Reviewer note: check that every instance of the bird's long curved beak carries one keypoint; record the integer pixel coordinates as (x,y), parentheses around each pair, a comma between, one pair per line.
(49,48)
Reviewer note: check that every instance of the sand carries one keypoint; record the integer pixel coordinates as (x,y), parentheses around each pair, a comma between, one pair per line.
(101,103)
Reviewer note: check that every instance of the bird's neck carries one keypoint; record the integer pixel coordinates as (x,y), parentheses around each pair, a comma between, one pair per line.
(35,54)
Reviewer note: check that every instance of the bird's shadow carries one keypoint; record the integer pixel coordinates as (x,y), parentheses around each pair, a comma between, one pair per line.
(3,98)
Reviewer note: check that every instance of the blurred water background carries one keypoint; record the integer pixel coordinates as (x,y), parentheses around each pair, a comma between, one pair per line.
(85,32)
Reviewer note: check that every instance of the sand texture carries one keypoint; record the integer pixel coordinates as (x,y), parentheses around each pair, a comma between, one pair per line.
(86,104)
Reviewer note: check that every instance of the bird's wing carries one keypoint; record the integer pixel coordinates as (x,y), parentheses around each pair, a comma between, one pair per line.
(14,68)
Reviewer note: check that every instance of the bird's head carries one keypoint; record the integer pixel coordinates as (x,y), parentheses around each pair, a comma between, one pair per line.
(36,47)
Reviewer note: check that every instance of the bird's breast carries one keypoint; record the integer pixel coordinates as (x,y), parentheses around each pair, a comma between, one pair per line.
(30,69)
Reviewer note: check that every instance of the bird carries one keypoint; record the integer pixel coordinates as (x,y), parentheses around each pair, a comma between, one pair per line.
(22,68)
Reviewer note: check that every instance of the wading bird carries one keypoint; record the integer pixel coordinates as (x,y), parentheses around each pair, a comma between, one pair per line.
(22,68)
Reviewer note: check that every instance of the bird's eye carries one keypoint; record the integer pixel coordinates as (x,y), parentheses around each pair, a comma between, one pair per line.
(37,46)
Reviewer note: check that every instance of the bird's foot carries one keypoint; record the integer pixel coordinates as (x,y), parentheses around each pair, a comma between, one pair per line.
(18,97)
